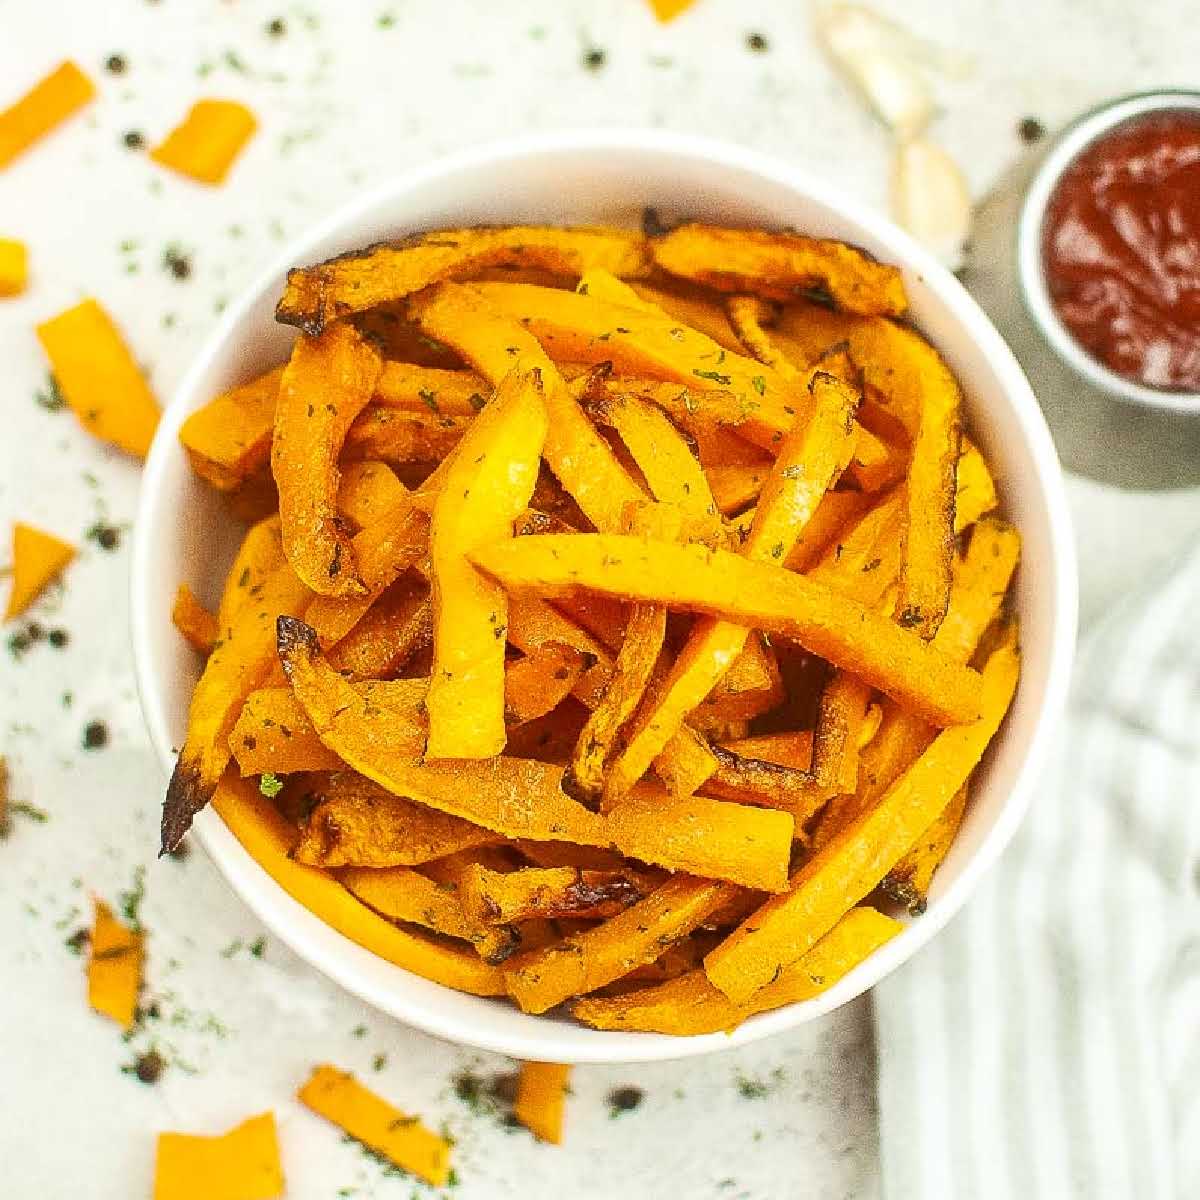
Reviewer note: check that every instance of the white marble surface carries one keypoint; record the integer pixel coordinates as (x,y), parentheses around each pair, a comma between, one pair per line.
(344,100)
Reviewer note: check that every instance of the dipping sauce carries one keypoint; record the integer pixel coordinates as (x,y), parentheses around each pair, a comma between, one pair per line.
(1121,250)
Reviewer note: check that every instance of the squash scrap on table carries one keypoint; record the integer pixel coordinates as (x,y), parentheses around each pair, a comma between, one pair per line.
(100,378)
(541,1098)
(608,600)
(242,1164)
(14,267)
(401,1139)
(114,967)
(38,558)
(195,622)
(208,140)
(46,105)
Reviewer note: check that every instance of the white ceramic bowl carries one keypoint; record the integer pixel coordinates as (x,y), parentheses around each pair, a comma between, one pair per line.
(608,177)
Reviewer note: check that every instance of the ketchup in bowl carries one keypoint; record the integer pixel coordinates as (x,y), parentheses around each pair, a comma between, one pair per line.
(1121,250)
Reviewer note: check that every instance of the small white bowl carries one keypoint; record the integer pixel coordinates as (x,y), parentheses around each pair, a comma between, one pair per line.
(609,177)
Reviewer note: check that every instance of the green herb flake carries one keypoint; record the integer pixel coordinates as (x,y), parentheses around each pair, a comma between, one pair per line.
(715,376)
(270,784)
(760,384)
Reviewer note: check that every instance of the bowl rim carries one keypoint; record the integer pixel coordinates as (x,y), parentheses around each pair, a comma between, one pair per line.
(270,902)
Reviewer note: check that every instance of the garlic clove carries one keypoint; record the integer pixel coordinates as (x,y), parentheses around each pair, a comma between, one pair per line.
(930,199)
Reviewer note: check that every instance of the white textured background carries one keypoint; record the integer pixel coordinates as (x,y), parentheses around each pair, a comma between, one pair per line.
(346,99)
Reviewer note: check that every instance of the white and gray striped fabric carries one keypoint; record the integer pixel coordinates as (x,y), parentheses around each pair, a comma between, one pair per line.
(1047,1044)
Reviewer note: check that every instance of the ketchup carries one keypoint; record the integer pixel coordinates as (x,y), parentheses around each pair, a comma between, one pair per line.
(1121,250)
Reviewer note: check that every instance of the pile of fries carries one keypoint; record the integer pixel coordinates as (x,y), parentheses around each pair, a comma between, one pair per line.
(622,622)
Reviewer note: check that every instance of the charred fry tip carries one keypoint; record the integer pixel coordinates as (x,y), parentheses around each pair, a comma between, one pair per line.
(186,796)
(292,637)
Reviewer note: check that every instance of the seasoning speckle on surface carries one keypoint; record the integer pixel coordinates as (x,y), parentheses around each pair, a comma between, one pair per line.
(594,58)
(276,28)
(757,42)
(115,64)
(95,735)
(1031,130)
(624,1099)
(134,139)
(106,536)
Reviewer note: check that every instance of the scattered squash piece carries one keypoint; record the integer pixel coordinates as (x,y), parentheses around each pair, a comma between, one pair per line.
(229,439)
(114,968)
(197,625)
(47,104)
(205,145)
(14,267)
(242,1164)
(37,558)
(541,1097)
(403,1140)
(99,377)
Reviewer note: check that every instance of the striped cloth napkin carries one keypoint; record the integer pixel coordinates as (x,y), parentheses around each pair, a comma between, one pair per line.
(1046,1045)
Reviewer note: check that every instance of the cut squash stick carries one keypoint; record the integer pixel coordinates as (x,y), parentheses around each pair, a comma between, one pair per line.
(273,734)
(509,897)
(397,626)
(689,1004)
(403,894)
(487,487)
(268,838)
(208,140)
(326,384)
(46,105)
(523,798)
(399,437)
(115,967)
(542,979)
(538,683)
(761,595)
(197,625)
(229,438)
(99,377)
(781,266)
(402,1140)
(242,1164)
(38,558)
(444,393)
(258,558)
(907,883)
(494,344)
(845,870)
(541,1098)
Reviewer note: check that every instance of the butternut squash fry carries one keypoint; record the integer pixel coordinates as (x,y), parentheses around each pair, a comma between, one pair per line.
(268,838)
(99,377)
(197,625)
(542,979)
(237,665)
(495,344)
(403,894)
(736,487)
(398,436)
(207,141)
(689,1004)
(14,267)
(691,306)
(114,968)
(747,780)
(403,1140)
(761,595)
(907,883)
(541,1097)
(486,489)
(522,798)
(414,388)
(975,491)
(229,439)
(811,459)
(506,898)
(855,860)
(326,384)
(38,558)
(353,283)
(273,734)
(367,491)
(780,266)
(396,627)
(258,558)
(46,105)
(534,625)
(241,1164)
(356,823)
(538,683)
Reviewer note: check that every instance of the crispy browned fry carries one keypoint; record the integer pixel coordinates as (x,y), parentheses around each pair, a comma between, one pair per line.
(273,734)
(486,489)
(840,874)
(412,388)
(394,435)
(326,384)
(907,883)
(781,266)
(229,439)
(197,625)
(539,682)
(353,283)
(506,898)
(396,627)
(580,964)
(690,1005)
(746,780)
(495,344)
(356,823)
(522,798)
(761,595)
